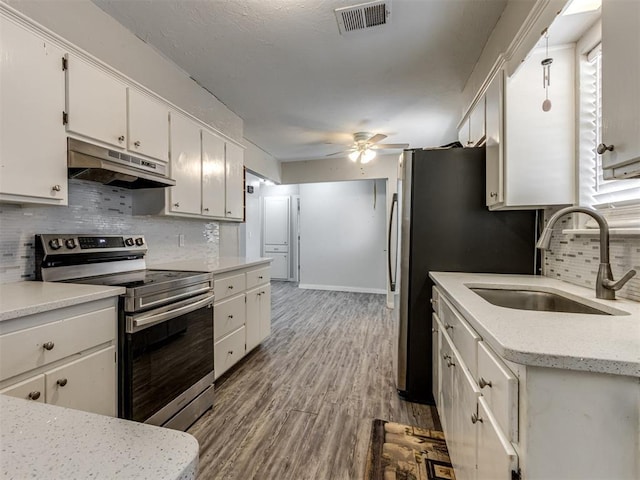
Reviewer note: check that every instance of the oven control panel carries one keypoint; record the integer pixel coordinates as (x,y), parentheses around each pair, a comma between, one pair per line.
(74,243)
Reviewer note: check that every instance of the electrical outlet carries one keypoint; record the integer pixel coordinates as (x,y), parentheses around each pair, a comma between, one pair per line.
(181,240)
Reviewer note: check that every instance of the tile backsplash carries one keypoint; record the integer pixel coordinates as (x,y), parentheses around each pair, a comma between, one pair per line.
(96,208)
(575,259)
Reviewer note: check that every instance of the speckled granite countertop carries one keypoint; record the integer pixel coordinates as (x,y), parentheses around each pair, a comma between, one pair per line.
(213,265)
(45,441)
(27,298)
(596,343)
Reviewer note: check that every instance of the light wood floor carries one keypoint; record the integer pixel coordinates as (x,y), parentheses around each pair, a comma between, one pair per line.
(301,405)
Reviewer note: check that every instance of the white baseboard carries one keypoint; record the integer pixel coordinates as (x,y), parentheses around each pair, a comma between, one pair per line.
(340,288)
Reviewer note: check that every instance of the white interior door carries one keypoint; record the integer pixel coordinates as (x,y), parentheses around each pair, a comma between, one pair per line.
(276,220)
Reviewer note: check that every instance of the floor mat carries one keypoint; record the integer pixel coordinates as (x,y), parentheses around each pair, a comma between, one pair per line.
(402,452)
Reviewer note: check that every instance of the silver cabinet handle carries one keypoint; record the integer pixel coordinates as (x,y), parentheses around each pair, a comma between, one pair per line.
(121,138)
(260,277)
(445,356)
(205,209)
(434,330)
(62,382)
(263,293)
(493,194)
(56,188)
(34,395)
(450,363)
(136,143)
(483,383)
(228,212)
(603,148)
(48,345)
(475,418)
(177,204)
(230,287)
(230,352)
(448,326)
(230,316)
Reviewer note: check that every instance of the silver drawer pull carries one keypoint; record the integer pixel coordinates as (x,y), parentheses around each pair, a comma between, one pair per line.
(230,287)
(136,143)
(230,316)
(48,345)
(475,418)
(445,356)
(260,277)
(230,352)
(62,382)
(448,326)
(483,383)
(450,363)
(34,395)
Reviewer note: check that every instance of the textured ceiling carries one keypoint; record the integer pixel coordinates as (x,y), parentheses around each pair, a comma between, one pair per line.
(303,89)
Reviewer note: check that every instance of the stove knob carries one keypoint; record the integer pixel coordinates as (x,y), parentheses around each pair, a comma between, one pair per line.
(55,243)
(129,242)
(140,241)
(70,243)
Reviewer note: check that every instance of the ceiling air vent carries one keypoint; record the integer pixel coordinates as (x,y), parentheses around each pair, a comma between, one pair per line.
(363,16)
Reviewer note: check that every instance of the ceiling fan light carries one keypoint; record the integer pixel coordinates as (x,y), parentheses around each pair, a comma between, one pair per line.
(353,156)
(367,156)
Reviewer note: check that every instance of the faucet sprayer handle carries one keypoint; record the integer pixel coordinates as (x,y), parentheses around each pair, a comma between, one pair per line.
(611,285)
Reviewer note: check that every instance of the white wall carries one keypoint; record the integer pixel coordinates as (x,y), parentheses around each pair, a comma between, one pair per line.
(343,237)
(253,224)
(83,24)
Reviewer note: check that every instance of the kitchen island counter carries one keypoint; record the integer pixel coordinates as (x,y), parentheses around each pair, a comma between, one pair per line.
(574,341)
(45,441)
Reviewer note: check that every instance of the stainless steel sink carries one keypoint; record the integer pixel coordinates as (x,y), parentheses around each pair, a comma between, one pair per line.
(534,300)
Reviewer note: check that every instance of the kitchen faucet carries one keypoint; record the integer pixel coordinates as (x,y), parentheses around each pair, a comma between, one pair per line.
(605,286)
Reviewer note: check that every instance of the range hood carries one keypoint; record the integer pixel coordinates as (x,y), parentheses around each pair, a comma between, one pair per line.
(86,161)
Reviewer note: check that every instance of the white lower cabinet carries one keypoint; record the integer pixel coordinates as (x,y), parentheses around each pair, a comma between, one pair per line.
(242,314)
(67,357)
(84,384)
(510,420)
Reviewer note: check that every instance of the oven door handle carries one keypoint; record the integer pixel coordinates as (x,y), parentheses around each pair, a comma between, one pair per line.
(147,319)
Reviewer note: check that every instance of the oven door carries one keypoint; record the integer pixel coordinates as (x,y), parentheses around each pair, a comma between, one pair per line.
(167,359)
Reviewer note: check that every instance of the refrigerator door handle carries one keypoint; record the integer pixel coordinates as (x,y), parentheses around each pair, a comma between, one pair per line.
(393,272)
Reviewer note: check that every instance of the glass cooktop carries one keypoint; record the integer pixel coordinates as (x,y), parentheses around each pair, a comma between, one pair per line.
(136,279)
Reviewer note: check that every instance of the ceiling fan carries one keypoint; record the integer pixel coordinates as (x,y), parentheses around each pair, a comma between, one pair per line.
(365,145)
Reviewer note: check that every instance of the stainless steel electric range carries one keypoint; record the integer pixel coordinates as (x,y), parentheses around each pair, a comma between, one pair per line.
(165,323)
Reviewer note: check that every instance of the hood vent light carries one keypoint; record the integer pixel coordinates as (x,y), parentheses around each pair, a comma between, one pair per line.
(363,16)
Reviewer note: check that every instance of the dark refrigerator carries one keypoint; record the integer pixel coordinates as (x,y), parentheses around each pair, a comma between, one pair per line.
(445,226)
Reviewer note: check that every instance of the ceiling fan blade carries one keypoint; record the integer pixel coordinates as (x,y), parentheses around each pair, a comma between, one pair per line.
(383,146)
(338,153)
(376,138)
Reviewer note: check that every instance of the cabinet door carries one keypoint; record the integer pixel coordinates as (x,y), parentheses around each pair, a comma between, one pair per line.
(276,220)
(279,266)
(213,175)
(493,129)
(539,145)
(148,126)
(476,123)
(88,383)
(265,311)
(447,387)
(620,81)
(463,133)
(186,166)
(33,149)
(96,103)
(30,389)
(234,167)
(463,443)
(435,349)
(253,318)
(496,458)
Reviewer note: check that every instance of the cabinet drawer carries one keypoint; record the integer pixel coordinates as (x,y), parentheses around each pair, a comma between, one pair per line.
(464,338)
(228,351)
(25,350)
(435,300)
(276,248)
(229,285)
(88,383)
(228,315)
(258,276)
(31,389)
(499,387)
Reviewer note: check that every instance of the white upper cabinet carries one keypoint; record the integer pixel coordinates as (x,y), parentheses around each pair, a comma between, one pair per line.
(213,175)
(148,126)
(476,124)
(621,88)
(530,152)
(33,148)
(494,129)
(234,182)
(185,165)
(96,103)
